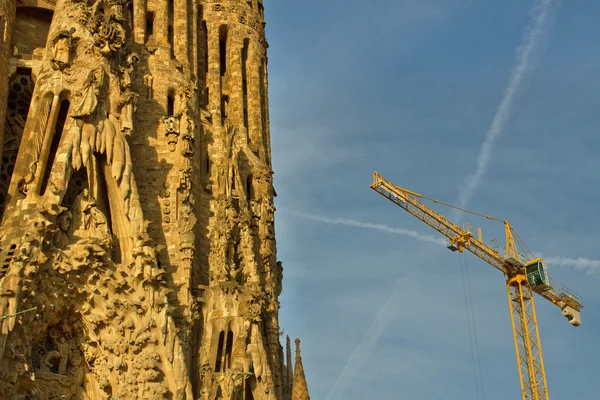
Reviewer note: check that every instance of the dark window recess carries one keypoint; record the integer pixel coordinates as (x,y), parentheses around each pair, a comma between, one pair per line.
(150,23)
(60,124)
(224,108)
(223,49)
(19,98)
(220,351)
(170,30)
(250,383)
(205,34)
(170,103)
(171,39)
(250,188)
(245,80)
(228,349)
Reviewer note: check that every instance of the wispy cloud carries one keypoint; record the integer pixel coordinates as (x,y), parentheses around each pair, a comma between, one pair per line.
(368,225)
(591,267)
(541,16)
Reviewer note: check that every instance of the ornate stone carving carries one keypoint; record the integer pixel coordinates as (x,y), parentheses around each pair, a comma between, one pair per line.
(61,49)
(120,271)
(171,126)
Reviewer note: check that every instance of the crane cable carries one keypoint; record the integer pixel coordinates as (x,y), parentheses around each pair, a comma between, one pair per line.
(474,326)
(473,339)
(526,253)
(461,209)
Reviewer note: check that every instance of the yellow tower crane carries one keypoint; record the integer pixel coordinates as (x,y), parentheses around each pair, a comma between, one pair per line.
(525,275)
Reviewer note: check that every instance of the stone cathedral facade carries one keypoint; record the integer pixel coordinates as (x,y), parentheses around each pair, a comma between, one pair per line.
(137,242)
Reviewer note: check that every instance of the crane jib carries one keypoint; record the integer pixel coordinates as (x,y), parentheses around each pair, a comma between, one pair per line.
(523,279)
(407,200)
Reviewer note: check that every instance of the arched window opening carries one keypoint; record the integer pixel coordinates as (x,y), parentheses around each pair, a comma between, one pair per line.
(250,187)
(228,350)
(250,384)
(223,73)
(171,103)
(261,8)
(130,9)
(202,53)
(223,49)
(150,23)
(170,29)
(78,182)
(220,351)
(20,93)
(63,112)
(245,81)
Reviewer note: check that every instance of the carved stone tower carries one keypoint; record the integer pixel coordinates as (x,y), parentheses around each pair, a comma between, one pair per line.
(137,243)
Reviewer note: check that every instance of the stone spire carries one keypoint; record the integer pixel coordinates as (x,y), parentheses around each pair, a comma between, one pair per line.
(287,392)
(300,389)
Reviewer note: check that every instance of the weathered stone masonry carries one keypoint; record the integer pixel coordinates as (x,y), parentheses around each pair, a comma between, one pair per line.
(137,243)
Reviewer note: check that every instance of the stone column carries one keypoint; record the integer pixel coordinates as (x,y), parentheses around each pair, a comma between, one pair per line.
(213,78)
(265,110)
(8,10)
(180,37)
(161,23)
(139,21)
(234,69)
(254,97)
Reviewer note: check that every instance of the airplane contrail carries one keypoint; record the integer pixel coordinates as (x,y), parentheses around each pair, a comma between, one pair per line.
(386,313)
(377,227)
(579,264)
(541,13)
(360,354)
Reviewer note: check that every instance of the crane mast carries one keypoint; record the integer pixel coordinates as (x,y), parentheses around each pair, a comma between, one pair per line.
(525,275)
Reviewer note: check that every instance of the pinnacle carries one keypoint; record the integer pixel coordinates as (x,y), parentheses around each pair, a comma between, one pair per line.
(300,389)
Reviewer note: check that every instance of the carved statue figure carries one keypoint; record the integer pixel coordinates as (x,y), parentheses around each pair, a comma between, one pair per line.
(257,360)
(128,70)
(61,236)
(88,220)
(61,49)
(63,348)
(88,97)
(27,180)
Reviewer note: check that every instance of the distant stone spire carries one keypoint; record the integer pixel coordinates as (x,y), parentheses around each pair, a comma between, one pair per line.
(288,353)
(299,389)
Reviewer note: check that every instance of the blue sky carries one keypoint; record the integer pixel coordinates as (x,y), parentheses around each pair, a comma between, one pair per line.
(410,89)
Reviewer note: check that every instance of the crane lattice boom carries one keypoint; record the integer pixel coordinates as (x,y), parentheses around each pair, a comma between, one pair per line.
(525,275)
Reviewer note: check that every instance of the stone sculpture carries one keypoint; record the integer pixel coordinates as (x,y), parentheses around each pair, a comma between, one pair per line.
(137,243)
